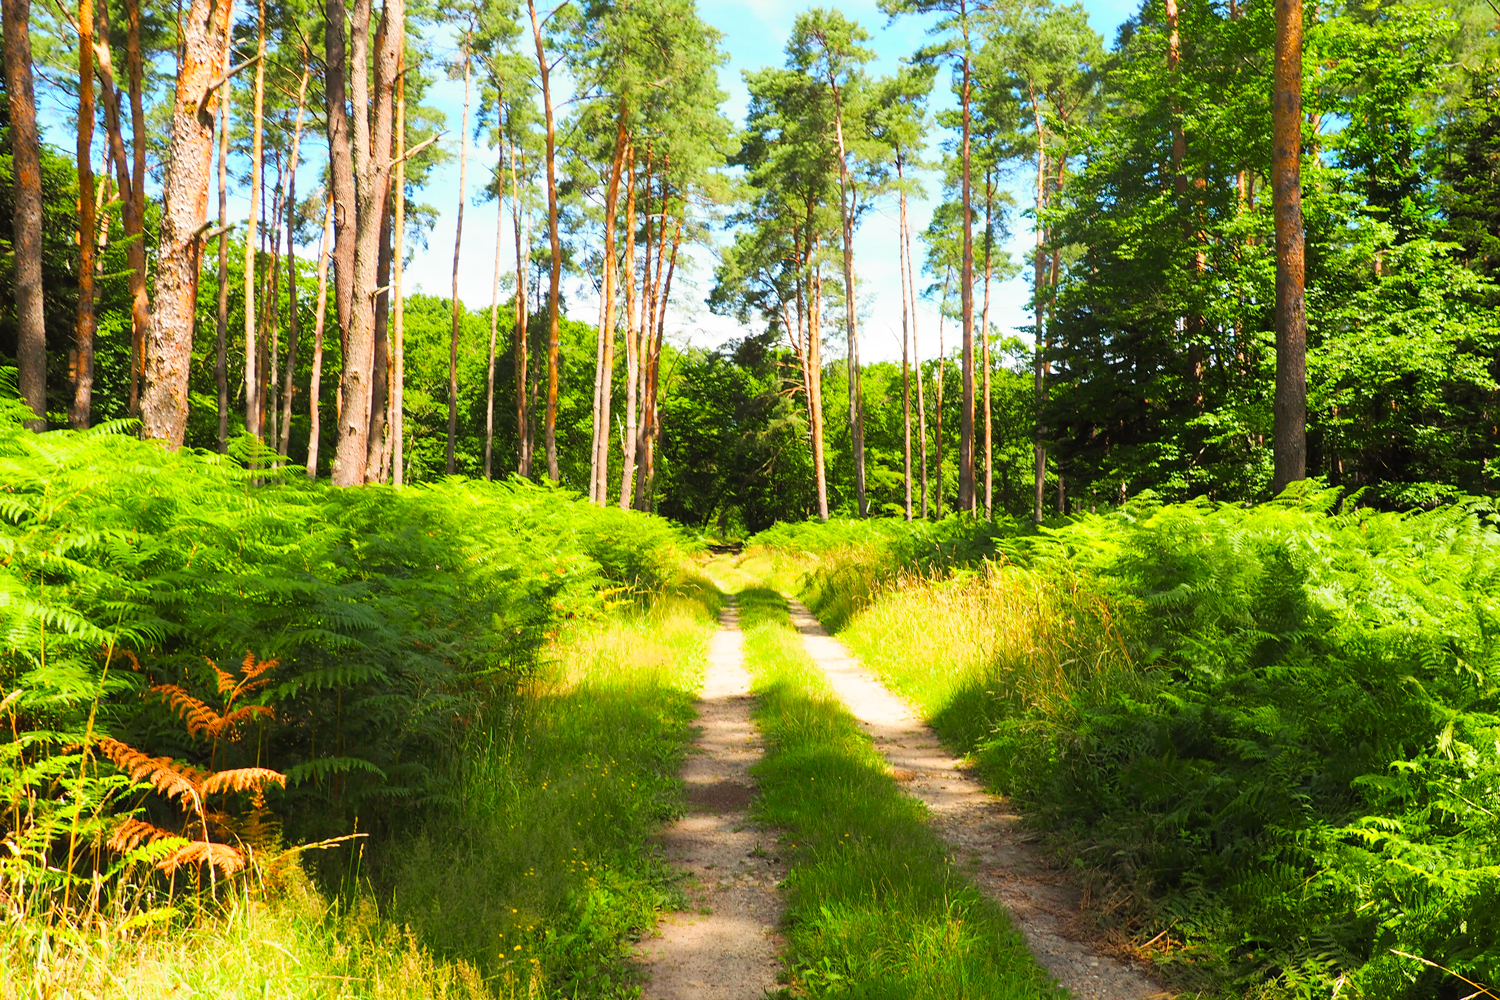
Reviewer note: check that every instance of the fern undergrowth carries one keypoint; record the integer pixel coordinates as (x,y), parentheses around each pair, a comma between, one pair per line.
(1268,739)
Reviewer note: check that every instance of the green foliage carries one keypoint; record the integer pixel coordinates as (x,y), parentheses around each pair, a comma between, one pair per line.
(394,616)
(1270,730)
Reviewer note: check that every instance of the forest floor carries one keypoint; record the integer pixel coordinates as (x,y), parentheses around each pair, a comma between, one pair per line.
(982,830)
(724,946)
(727,943)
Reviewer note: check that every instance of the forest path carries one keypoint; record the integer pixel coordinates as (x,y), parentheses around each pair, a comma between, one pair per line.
(725,945)
(985,835)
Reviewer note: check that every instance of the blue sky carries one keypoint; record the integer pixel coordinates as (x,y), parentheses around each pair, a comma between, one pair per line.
(755,33)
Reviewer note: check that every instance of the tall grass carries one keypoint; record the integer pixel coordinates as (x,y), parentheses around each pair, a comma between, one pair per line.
(1266,735)
(874,907)
(533,886)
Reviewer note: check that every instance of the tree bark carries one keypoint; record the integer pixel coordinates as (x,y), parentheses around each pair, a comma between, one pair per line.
(315,383)
(489,381)
(340,164)
(632,336)
(398,283)
(372,143)
(966,493)
(458,239)
(989,453)
(257,127)
(846,216)
(288,385)
(942,364)
(132,204)
(1290,407)
(380,365)
(605,389)
(905,341)
(85,321)
(1039,354)
(169,344)
(221,329)
(555,238)
(140,301)
(521,343)
(31,347)
(815,370)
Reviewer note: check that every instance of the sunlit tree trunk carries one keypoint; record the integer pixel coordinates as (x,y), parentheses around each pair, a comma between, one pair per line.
(26,150)
(520,344)
(85,321)
(372,144)
(942,363)
(458,239)
(847,197)
(221,328)
(398,283)
(288,383)
(632,328)
(966,493)
(603,388)
(169,343)
(989,241)
(906,310)
(555,239)
(315,384)
(257,131)
(340,165)
(489,382)
(1290,407)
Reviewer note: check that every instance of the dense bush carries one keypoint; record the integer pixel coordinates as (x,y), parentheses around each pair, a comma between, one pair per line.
(134,581)
(1276,727)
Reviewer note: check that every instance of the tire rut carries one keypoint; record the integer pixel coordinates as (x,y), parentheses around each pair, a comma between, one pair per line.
(983,831)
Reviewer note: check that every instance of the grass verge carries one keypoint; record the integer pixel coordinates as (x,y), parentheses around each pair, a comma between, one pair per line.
(874,908)
(534,885)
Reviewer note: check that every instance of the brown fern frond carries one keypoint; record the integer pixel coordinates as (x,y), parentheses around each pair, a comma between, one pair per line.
(226,679)
(171,779)
(243,713)
(241,779)
(251,670)
(221,856)
(201,720)
(133,833)
(134,663)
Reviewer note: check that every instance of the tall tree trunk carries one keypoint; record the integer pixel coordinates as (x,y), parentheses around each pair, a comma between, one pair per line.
(906,311)
(554,237)
(489,381)
(847,197)
(315,383)
(131,204)
(1290,408)
(380,366)
(521,341)
(1039,354)
(458,239)
(169,344)
(85,322)
(600,487)
(31,346)
(257,127)
(340,165)
(140,301)
(815,371)
(989,241)
(289,207)
(632,336)
(398,283)
(942,363)
(966,493)
(916,360)
(646,484)
(372,144)
(221,329)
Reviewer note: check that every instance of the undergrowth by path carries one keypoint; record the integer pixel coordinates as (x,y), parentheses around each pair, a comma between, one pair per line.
(1265,737)
(874,909)
(533,887)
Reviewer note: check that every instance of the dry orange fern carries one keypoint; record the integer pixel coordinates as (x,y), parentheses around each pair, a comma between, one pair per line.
(220,856)
(133,833)
(242,779)
(167,776)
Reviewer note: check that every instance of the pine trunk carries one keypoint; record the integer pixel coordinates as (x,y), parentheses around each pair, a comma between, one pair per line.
(1289,439)
(169,344)
(26,149)
(489,382)
(221,328)
(604,390)
(85,321)
(257,128)
(398,281)
(315,383)
(966,492)
(555,240)
(458,239)
(521,343)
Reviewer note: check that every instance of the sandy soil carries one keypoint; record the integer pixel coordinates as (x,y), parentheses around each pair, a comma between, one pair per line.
(724,947)
(984,832)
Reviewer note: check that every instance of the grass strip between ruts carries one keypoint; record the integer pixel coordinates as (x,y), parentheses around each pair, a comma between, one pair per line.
(874,907)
